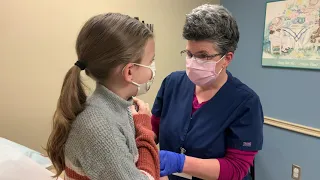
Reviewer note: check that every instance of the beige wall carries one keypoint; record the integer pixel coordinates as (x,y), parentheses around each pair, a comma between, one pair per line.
(37,39)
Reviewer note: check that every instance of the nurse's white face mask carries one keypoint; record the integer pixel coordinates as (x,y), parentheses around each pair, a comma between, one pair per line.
(144,88)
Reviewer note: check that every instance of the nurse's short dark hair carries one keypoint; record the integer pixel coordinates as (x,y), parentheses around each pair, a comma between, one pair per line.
(214,23)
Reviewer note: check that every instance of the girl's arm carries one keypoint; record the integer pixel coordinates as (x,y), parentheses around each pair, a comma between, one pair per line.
(148,152)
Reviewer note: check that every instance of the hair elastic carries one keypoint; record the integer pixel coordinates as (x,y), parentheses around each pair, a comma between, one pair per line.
(81,64)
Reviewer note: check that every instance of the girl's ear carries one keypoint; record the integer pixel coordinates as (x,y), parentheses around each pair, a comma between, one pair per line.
(127,72)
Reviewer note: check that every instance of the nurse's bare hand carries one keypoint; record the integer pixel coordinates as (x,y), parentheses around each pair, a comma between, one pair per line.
(143,108)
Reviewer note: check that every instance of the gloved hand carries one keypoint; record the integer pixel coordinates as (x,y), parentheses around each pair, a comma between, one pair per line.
(171,162)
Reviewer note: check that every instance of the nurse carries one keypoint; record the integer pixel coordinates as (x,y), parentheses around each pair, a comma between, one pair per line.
(209,124)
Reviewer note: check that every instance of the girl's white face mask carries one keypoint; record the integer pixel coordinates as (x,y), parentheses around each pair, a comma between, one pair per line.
(144,88)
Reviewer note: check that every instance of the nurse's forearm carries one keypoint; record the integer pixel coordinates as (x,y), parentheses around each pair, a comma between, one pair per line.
(202,168)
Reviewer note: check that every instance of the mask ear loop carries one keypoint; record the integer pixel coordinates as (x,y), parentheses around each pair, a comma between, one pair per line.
(221,58)
(152,70)
(222,66)
(138,85)
(149,67)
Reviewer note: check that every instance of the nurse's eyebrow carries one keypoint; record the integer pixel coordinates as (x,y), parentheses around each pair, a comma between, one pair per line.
(198,52)
(201,52)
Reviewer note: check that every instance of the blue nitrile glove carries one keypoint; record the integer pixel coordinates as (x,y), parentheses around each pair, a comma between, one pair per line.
(171,162)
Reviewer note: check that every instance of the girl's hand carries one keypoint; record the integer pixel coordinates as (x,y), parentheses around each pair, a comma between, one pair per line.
(142,107)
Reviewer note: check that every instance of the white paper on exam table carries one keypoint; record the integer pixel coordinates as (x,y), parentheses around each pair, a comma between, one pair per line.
(16,166)
(34,155)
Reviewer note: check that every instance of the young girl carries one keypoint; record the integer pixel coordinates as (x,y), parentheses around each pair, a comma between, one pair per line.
(104,137)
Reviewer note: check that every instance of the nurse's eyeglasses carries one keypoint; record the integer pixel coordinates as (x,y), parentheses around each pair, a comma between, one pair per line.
(200,56)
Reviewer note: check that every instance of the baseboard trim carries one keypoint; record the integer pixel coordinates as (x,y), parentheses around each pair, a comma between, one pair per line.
(306,130)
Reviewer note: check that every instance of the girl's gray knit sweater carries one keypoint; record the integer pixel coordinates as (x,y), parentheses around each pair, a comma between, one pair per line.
(101,144)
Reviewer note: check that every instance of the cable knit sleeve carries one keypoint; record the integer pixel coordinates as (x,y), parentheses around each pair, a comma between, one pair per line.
(148,153)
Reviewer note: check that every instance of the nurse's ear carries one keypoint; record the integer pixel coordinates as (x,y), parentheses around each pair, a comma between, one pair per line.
(127,72)
(228,59)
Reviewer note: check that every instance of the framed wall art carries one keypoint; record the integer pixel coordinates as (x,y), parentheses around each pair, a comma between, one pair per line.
(292,34)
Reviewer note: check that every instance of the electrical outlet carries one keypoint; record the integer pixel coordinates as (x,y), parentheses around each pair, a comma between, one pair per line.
(296,172)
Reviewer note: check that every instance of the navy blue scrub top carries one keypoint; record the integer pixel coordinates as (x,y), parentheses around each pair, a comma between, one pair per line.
(233,118)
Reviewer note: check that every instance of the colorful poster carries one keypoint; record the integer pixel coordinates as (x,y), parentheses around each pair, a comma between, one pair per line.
(292,34)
